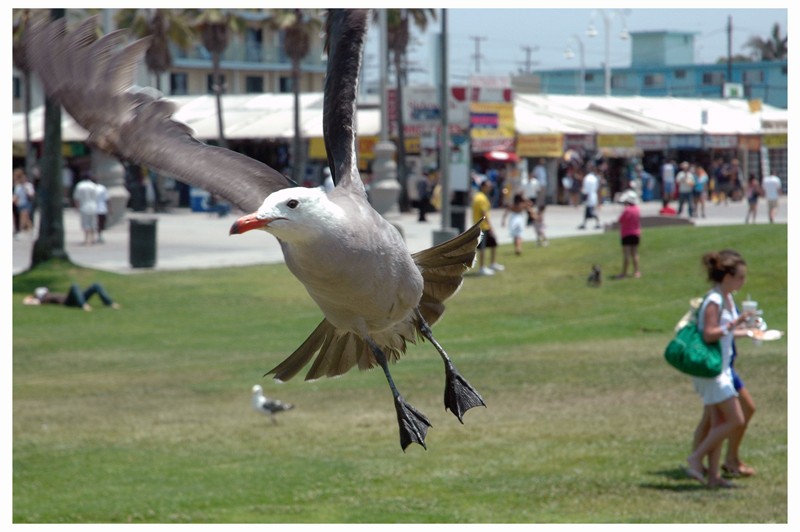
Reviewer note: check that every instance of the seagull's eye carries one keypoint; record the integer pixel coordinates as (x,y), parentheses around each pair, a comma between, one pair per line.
(292,203)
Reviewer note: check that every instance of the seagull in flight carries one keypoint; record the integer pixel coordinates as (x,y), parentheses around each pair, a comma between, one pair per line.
(374,294)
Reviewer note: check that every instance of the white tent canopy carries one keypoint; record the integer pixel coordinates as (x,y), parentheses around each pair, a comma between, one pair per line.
(271,116)
(245,116)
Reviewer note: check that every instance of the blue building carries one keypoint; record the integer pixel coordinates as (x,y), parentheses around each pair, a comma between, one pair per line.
(662,64)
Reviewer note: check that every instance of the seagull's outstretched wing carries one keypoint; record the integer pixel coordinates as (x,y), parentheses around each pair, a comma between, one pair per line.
(346,31)
(93,80)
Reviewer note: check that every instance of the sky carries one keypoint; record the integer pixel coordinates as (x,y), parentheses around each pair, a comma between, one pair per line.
(513,40)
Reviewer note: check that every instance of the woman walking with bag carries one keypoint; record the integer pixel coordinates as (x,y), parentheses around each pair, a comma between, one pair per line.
(719,321)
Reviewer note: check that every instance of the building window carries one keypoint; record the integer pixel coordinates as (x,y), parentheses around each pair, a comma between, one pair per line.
(618,81)
(179,83)
(680,74)
(253,40)
(285,84)
(17,88)
(254,84)
(210,83)
(654,80)
(713,78)
(589,76)
(753,77)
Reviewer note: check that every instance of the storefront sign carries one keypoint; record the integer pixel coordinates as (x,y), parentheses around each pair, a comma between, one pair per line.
(720,142)
(579,143)
(485,145)
(652,142)
(421,110)
(616,141)
(366,148)
(546,145)
(775,140)
(492,124)
(692,142)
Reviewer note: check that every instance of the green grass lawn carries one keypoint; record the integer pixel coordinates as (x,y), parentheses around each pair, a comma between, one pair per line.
(143,415)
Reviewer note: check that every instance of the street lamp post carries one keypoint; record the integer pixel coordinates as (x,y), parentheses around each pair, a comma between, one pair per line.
(385,189)
(591,31)
(569,54)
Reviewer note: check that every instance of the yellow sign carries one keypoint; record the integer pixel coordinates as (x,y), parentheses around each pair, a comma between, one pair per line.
(412,145)
(546,145)
(775,140)
(616,141)
(366,148)
(492,120)
(316,148)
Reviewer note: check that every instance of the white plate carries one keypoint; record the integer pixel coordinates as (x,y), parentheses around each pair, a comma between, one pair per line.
(768,336)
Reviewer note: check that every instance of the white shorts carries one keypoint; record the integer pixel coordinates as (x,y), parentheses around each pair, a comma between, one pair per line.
(89,222)
(715,390)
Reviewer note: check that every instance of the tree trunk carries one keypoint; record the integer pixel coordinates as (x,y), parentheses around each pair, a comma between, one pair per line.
(402,174)
(217,86)
(50,241)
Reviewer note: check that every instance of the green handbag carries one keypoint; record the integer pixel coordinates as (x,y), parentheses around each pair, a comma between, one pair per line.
(689,353)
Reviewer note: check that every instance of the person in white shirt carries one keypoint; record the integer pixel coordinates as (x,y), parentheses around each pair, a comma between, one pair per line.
(85,196)
(591,184)
(668,180)
(772,190)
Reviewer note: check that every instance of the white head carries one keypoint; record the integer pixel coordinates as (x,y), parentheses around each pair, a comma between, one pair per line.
(292,214)
(257,389)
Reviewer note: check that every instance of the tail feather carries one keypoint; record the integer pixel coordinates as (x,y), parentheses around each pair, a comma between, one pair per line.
(338,352)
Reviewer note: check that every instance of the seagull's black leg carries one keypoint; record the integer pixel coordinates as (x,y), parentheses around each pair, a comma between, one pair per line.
(459,395)
(413,424)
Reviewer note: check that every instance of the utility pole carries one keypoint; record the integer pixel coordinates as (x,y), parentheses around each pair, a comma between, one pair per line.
(528,63)
(730,47)
(446,232)
(477,55)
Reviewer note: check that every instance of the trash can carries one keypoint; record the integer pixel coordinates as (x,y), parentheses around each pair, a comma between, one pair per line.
(142,248)
(458,210)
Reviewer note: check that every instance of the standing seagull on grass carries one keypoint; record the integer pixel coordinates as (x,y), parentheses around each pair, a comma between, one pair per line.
(374,294)
(267,405)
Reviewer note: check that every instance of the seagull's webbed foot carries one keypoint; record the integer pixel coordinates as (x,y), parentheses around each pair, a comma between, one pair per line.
(459,395)
(413,424)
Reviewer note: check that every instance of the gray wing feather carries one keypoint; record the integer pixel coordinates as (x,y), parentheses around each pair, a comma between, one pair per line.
(94,80)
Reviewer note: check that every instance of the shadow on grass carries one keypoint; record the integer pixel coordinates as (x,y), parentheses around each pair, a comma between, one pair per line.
(676,480)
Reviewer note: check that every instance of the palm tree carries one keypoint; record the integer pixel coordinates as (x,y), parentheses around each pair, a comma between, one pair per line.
(299,27)
(772,49)
(216,27)
(165,26)
(399,28)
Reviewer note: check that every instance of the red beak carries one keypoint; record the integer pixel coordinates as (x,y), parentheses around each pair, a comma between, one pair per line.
(248,222)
